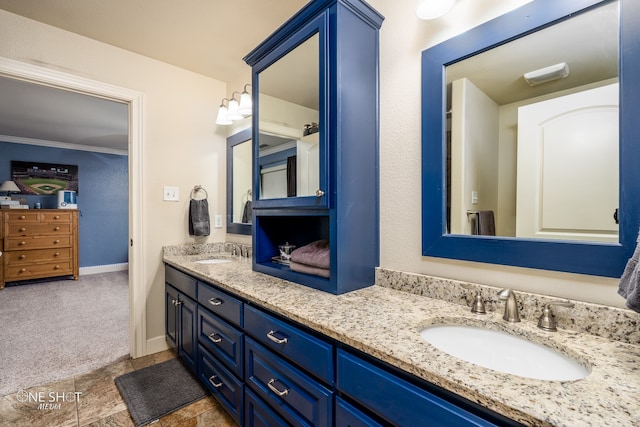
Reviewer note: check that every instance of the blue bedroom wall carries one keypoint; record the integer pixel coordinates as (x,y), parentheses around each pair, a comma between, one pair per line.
(103,197)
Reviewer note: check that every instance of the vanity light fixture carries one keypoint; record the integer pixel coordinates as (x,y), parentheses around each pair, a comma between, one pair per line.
(222,118)
(432,9)
(547,74)
(234,110)
(246,105)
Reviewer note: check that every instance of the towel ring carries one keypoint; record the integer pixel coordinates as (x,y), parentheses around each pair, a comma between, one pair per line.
(198,188)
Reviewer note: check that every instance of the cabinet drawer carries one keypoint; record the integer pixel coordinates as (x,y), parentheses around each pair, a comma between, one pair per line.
(223,340)
(40,255)
(36,242)
(297,397)
(397,400)
(182,282)
(304,349)
(223,385)
(220,303)
(35,271)
(349,416)
(259,414)
(29,229)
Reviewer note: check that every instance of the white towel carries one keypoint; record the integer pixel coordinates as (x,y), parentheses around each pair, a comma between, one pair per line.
(629,286)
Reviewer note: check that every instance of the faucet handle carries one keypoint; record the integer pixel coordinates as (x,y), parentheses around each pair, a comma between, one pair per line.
(547,320)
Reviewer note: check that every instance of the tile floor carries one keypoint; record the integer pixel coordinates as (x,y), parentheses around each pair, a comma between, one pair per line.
(94,400)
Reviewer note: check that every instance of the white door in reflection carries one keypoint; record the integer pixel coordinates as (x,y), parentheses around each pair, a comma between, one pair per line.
(567,179)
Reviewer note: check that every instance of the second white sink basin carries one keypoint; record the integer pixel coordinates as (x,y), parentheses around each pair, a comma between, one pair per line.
(503,352)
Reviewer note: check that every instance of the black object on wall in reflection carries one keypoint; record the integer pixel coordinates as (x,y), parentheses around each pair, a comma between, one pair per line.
(291,176)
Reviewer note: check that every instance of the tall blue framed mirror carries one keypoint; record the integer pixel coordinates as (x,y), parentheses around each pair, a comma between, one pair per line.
(528,136)
(239,178)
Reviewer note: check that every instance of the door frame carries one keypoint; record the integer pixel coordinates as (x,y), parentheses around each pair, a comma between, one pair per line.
(48,77)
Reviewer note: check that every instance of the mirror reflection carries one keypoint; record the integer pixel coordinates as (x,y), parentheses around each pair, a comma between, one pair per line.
(537,157)
(288,105)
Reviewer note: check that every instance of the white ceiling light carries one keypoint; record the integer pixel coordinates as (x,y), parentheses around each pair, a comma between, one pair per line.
(547,74)
(432,9)
(222,119)
(245,107)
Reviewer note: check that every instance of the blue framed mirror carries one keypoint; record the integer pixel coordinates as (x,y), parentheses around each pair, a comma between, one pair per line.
(239,178)
(450,223)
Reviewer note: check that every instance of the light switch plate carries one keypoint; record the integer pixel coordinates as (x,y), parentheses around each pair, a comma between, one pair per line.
(171,194)
(217,221)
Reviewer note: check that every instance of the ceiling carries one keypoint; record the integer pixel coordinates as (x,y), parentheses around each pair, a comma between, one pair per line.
(209,37)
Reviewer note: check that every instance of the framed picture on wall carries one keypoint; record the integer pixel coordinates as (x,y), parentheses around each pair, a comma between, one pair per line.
(44,179)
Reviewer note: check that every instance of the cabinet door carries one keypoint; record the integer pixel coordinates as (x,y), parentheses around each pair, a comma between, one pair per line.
(171,320)
(187,337)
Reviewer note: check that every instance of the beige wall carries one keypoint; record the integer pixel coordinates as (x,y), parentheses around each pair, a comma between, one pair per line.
(402,38)
(181,144)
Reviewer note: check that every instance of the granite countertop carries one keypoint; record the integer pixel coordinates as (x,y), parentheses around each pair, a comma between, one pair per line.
(386,324)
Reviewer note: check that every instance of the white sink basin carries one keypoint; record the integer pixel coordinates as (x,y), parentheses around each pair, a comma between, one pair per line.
(503,352)
(213,261)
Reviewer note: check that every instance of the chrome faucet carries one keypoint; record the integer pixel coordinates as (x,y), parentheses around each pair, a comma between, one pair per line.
(547,320)
(511,310)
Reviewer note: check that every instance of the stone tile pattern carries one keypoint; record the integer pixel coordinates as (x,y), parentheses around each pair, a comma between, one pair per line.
(386,322)
(608,322)
(99,404)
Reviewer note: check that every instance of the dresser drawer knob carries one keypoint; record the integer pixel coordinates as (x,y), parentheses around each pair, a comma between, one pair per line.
(56,217)
(272,337)
(215,301)
(57,267)
(22,229)
(23,256)
(22,270)
(22,217)
(23,243)
(55,242)
(56,254)
(272,387)
(215,384)
(215,338)
(56,228)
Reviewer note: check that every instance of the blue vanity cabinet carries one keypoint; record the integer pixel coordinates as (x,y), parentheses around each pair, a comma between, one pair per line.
(180,315)
(344,209)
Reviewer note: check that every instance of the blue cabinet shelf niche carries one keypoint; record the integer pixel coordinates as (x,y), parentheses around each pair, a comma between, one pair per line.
(329,186)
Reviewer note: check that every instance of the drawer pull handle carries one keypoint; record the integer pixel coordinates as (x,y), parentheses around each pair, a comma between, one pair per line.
(22,270)
(216,385)
(56,217)
(56,241)
(23,256)
(56,228)
(23,243)
(275,339)
(22,217)
(22,229)
(215,301)
(273,388)
(57,267)
(215,338)
(56,254)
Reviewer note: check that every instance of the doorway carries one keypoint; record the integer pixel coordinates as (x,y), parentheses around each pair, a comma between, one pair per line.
(44,76)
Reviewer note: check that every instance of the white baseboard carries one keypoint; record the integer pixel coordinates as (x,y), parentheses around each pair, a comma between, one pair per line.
(104,268)
(156,345)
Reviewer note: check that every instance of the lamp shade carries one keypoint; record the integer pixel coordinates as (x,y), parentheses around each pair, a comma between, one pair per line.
(432,9)
(222,118)
(9,187)
(246,105)
(232,113)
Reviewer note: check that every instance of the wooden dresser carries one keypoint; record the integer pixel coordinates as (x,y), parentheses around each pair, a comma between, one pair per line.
(39,243)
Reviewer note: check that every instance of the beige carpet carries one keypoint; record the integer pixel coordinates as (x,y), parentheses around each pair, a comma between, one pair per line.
(56,329)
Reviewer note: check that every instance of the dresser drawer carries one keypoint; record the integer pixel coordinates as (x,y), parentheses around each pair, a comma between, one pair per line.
(348,415)
(40,255)
(223,385)
(35,271)
(220,303)
(224,341)
(21,217)
(311,353)
(33,229)
(57,216)
(36,242)
(297,397)
(395,399)
(182,282)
